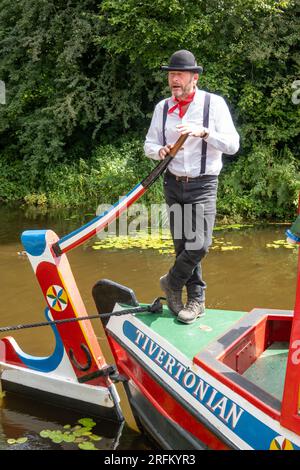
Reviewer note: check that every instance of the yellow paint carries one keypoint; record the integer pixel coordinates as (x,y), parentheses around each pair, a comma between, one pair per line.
(281,443)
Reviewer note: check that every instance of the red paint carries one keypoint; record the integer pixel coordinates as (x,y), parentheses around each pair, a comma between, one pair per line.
(72,334)
(161,400)
(290,417)
(248,347)
(10,356)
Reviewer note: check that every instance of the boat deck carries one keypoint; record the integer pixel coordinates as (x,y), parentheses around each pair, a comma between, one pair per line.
(194,338)
(191,339)
(271,363)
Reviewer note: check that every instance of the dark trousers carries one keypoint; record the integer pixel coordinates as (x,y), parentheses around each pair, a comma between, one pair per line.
(192,211)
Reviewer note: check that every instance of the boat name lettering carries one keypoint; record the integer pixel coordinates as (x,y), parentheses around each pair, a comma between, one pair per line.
(295,355)
(225,409)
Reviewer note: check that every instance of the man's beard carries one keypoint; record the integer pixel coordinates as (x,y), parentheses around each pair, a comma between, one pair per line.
(183,92)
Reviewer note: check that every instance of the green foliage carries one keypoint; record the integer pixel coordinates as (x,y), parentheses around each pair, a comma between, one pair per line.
(261,185)
(110,172)
(79,75)
(15,180)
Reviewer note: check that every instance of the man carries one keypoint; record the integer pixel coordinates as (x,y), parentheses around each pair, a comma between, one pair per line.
(191,179)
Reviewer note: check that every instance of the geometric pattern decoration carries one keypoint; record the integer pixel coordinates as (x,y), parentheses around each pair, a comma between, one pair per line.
(280,443)
(57,298)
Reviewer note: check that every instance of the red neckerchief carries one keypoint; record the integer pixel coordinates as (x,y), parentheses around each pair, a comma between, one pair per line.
(180,103)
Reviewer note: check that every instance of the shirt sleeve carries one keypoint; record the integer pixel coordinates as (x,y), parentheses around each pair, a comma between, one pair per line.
(224,137)
(154,137)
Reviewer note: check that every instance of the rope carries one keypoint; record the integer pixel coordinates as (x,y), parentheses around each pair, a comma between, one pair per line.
(155,307)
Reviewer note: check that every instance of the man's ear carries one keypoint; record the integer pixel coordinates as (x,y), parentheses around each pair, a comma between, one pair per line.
(195,78)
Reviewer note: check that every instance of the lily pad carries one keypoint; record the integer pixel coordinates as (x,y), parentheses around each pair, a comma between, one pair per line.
(68,437)
(87,446)
(230,248)
(94,437)
(282,244)
(87,422)
(22,440)
(11,441)
(57,440)
(80,434)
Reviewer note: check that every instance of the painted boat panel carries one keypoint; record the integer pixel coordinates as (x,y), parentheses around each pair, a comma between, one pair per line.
(229,413)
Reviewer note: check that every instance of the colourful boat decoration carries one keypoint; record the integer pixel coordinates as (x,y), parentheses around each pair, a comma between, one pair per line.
(76,375)
(230,380)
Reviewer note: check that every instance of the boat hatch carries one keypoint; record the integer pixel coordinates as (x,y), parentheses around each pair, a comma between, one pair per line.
(252,357)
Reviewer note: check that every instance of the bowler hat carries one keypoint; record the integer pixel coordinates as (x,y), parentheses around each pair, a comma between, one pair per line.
(183,61)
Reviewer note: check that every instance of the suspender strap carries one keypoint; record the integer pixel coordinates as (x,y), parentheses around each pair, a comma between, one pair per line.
(205,124)
(165,113)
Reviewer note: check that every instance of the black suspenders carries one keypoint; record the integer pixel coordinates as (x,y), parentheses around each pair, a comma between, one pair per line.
(205,124)
(165,113)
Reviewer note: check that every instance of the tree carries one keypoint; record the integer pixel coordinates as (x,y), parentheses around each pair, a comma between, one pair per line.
(87,72)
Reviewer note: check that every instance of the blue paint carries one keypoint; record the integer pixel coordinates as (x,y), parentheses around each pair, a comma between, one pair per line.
(34,241)
(246,426)
(45,364)
(292,236)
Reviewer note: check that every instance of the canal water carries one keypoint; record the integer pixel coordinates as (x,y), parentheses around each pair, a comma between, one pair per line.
(260,273)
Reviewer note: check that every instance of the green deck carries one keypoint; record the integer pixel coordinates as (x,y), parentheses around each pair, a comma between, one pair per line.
(271,363)
(191,339)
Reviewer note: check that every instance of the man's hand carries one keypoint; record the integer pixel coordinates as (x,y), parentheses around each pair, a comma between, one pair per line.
(164,151)
(193,131)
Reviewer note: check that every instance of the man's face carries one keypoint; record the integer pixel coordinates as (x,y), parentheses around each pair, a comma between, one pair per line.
(182,83)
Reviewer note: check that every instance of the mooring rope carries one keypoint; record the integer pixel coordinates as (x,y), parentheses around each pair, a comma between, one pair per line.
(155,307)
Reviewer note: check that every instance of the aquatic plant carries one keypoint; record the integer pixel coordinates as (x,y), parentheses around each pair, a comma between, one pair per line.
(20,440)
(80,434)
(160,241)
(282,244)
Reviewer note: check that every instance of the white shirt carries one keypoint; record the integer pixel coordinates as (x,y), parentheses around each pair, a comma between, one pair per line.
(223,137)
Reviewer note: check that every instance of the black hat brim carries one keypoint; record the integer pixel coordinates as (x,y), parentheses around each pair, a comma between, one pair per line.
(186,68)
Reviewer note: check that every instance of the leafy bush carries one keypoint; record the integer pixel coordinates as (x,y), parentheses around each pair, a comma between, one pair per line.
(261,185)
(79,75)
(111,172)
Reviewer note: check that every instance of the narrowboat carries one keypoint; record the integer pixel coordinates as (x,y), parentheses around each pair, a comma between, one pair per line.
(230,380)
